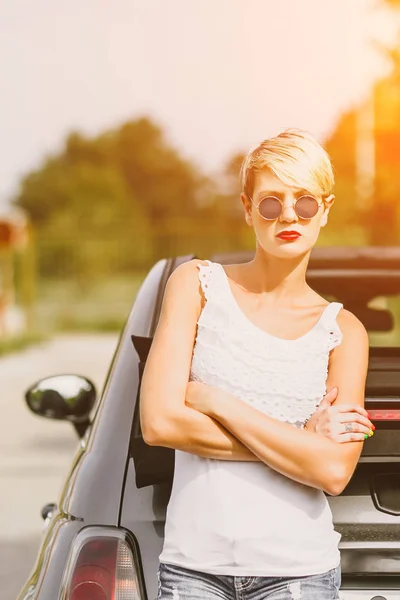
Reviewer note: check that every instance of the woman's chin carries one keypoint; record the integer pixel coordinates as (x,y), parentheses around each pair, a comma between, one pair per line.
(286,249)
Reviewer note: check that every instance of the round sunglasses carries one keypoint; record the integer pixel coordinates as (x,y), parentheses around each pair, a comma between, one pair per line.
(270,207)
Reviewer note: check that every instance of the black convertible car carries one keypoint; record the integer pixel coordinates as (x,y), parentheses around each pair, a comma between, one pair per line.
(103,538)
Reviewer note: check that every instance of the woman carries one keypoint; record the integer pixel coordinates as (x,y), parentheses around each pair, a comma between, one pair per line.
(248,517)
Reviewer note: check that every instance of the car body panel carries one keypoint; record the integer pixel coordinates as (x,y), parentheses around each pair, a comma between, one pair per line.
(144,511)
(93,489)
(46,575)
(94,486)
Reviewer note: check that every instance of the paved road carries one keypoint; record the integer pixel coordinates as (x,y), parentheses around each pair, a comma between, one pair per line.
(35,453)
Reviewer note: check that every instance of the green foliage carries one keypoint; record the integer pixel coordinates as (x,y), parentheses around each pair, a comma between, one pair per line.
(16,344)
(63,305)
(105,208)
(94,205)
(380,219)
(341,147)
(101,228)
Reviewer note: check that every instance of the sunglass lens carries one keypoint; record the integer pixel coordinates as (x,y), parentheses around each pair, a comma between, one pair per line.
(307,207)
(270,208)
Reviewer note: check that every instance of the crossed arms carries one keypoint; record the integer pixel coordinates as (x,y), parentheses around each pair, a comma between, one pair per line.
(211,423)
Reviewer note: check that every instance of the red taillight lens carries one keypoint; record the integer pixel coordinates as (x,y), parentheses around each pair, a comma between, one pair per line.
(384,414)
(94,573)
(101,567)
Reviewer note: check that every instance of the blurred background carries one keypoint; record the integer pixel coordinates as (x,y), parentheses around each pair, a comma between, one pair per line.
(123,127)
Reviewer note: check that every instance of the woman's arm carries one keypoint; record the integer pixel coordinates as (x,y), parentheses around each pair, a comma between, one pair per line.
(300,454)
(165,418)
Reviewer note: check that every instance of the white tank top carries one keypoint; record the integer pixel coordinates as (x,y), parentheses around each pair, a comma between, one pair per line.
(243,518)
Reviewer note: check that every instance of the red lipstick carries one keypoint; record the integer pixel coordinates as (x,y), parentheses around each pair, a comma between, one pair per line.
(289,235)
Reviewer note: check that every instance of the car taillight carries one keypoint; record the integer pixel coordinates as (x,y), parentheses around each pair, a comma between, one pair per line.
(102,566)
(384,414)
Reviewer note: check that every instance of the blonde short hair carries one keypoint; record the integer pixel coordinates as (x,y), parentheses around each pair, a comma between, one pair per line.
(296,158)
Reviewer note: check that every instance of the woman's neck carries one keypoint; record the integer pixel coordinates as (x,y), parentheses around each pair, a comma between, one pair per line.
(282,278)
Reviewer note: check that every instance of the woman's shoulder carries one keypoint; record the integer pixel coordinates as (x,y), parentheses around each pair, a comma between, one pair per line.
(188,271)
(187,277)
(196,279)
(183,291)
(345,319)
(350,324)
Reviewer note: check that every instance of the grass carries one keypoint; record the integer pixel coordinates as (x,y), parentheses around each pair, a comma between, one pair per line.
(20,343)
(101,306)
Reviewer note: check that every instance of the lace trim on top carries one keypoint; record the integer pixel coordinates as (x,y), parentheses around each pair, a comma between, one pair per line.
(213,287)
(205,276)
(283,378)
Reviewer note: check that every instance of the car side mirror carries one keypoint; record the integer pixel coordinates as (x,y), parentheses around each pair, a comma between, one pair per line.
(63,397)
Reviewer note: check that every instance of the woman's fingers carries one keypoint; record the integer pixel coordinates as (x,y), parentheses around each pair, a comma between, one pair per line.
(352,408)
(356,418)
(345,426)
(355,428)
(351,437)
(329,397)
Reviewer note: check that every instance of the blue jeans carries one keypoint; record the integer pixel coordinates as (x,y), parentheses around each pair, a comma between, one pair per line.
(177,583)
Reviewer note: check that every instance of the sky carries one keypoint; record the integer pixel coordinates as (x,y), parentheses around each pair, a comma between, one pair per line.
(218,75)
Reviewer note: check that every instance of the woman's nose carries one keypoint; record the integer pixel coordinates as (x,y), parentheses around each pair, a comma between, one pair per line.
(288,214)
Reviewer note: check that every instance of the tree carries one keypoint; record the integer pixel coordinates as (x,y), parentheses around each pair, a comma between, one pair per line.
(380,219)
(96,204)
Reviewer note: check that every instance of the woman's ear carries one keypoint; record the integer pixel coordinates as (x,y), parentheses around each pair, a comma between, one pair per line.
(247,204)
(328,202)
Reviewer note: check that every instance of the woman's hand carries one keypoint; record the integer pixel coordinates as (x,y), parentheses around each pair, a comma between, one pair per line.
(342,423)
(199,396)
